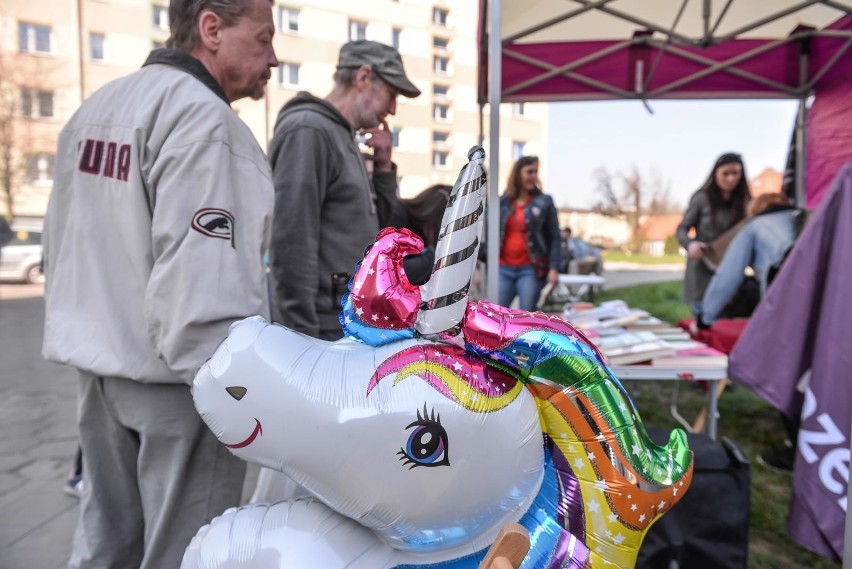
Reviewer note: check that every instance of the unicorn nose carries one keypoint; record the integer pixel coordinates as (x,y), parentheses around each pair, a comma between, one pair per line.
(236,392)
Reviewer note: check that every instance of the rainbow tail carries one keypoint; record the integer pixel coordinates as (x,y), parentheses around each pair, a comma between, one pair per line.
(623,481)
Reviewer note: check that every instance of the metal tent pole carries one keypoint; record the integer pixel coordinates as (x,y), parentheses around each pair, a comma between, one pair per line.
(801,121)
(495,80)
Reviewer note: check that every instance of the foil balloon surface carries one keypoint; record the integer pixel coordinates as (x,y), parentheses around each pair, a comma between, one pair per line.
(432,448)
(436,422)
(381,305)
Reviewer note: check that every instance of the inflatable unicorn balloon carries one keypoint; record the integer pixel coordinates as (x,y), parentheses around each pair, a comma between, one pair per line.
(419,451)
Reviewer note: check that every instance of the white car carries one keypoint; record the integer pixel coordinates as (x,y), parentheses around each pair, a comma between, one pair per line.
(20,258)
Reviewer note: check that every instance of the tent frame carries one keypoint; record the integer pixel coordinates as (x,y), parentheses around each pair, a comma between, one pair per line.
(494,48)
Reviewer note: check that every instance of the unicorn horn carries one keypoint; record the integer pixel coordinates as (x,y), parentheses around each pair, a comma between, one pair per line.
(443,309)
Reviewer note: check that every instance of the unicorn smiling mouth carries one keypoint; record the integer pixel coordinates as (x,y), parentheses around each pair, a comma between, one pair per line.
(258,430)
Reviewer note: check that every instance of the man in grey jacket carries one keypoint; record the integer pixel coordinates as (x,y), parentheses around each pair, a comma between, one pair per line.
(326,208)
(154,238)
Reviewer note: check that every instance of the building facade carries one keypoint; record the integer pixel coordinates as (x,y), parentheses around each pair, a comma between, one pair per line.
(55,53)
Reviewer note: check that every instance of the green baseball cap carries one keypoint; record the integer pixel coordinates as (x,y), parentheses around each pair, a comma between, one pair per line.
(383,59)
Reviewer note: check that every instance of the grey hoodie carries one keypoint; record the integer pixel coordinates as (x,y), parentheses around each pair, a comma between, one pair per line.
(325,212)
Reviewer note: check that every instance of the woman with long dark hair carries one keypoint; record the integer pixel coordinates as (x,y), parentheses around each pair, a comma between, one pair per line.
(716,207)
(530,240)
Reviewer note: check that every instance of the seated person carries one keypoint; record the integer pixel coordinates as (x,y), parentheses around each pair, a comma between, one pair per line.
(582,253)
(761,244)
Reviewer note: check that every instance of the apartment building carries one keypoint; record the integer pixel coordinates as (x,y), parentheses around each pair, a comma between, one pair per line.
(55,53)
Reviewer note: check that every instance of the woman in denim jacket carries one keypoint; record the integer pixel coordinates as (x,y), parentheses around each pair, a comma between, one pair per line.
(761,244)
(530,241)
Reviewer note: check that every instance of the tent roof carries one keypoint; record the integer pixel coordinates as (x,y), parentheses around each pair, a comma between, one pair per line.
(646,49)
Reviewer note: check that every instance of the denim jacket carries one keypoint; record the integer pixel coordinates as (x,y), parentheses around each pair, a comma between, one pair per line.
(760,244)
(542,222)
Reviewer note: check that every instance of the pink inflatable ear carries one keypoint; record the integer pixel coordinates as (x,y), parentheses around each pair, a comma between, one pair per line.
(382,305)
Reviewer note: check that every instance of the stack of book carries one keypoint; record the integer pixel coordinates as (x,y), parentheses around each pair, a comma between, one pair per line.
(691,354)
(629,336)
(632,347)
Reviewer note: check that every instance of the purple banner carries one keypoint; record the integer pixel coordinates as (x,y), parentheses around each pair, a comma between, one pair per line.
(795,353)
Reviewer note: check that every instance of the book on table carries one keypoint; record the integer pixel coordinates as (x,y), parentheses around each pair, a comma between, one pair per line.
(671,333)
(636,353)
(692,354)
(647,323)
(622,339)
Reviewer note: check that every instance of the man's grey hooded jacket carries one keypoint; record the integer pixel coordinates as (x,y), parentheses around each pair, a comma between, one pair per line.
(326,212)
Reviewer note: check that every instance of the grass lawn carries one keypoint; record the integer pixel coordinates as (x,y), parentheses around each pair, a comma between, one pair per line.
(745,419)
(620,256)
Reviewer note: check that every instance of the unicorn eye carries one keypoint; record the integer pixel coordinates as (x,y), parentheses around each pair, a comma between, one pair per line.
(427,444)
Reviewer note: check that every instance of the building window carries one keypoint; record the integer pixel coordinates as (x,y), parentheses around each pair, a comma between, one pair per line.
(33,38)
(440,159)
(442,65)
(439,137)
(397,33)
(96,47)
(440,90)
(518,149)
(395,134)
(36,104)
(518,109)
(441,112)
(357,30)
(288,73)
(440,43)
(39,168)
(440,16)
(160,17)
(288,19)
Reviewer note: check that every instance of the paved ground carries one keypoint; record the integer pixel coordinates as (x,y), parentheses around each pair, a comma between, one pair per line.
(39,439)
(37,410)
(619,275)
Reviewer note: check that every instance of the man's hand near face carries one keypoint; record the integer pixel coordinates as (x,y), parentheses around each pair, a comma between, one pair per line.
(381,141)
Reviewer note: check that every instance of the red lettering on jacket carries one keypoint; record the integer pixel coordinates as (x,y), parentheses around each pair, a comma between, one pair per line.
(93,159)
(123,162)
(109,166)
(90,160)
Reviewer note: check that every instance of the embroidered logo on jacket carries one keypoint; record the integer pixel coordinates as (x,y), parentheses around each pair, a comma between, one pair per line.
(214,222)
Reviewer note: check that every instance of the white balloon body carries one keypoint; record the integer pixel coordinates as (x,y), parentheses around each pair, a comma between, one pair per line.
(306,407)
(299,534)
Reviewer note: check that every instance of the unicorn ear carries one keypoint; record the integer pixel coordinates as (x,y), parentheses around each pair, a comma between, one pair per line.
(382,304)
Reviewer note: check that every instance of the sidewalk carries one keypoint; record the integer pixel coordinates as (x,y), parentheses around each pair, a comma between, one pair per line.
(39,439)
(37,419)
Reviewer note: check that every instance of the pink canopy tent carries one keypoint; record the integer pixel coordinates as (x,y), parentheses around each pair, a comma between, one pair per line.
(569,50)
(564,50)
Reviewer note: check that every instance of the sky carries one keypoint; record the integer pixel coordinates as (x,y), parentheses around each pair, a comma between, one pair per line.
(681,141)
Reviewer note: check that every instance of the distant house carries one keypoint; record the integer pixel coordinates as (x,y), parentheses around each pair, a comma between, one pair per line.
(600,230)
(766,182)
(655,230)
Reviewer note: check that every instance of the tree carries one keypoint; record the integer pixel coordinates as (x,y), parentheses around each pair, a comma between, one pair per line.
(8,114)
(20,136)
(638,198)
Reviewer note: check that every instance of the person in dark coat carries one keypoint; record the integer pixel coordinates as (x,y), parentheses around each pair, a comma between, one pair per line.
(716,207)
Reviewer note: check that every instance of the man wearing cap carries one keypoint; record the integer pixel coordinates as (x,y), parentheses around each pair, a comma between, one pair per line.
(326,208)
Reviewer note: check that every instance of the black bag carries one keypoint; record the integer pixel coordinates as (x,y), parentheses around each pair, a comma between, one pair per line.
(708,528)
(744,301)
